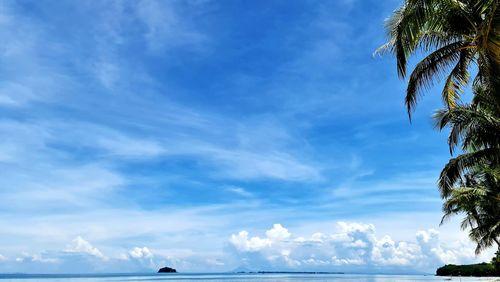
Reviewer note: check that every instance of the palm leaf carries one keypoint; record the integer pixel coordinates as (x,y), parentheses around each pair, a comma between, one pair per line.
(457,80)
(456,167)
(428,69)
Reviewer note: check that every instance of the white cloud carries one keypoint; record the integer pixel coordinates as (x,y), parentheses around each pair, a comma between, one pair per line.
(239,191)
(37,258)
(37,139)
(82,257)
(125,146)
(166,26)
(433,249)
(80,245)
(243,243)
(140,258)
(354,246)
(278,233)
(273,236)
(243,164)
(49,185)
(138,252)
(33,78)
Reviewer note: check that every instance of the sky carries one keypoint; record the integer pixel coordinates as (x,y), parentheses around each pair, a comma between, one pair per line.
(214,136)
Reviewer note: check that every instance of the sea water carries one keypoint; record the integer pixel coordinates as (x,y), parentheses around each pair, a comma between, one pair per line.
(231,277)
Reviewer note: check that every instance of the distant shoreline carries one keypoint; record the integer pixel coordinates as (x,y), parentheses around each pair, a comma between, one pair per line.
(287,272)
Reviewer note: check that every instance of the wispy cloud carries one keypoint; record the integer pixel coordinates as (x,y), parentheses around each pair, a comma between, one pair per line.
(239,191)
(166,28)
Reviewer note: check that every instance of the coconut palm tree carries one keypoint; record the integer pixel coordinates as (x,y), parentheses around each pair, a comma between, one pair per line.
(478,197)
(475,127)
(470,183)
(456,34)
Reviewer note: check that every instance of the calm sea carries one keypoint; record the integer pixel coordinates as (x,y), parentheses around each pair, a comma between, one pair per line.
(231,277)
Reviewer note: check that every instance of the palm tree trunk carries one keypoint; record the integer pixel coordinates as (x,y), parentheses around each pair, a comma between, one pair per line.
(498,243)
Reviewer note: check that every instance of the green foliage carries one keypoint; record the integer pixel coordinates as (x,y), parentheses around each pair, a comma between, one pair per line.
(470,183)
(495,261)
(478,199)
(455,33)
(481,269)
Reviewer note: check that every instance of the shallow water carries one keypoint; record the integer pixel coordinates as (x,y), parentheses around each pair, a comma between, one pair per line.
(231,277)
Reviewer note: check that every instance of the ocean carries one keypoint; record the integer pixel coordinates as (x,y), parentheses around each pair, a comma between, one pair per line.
(230,277)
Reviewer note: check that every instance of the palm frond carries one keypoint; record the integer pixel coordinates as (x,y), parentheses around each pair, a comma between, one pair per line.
(427,70)
(457,80)
(456,167)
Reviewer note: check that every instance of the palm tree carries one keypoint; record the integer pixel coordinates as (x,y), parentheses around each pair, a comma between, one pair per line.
(470,183)
(478,197)
(458,36)
(476,127)
(457,33)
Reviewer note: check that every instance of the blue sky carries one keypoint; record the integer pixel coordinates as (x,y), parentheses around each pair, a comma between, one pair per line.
(213,136)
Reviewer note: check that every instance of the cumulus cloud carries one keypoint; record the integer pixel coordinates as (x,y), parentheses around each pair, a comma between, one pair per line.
(82,257)
(351,247)
(80,245)
(431,246)
(278,233)
(143,252)
(275,235)
(243,243)
(354,246)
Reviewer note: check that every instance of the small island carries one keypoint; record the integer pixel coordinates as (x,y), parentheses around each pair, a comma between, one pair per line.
(167,270)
